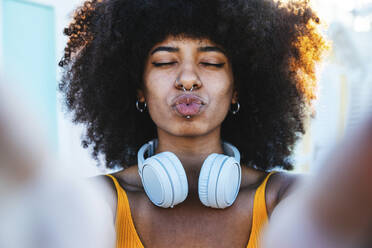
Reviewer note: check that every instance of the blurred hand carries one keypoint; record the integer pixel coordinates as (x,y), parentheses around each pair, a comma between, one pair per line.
(42,206)
(332,208)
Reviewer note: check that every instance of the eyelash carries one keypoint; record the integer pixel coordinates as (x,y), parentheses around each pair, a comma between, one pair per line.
(163,64)
(171,63)
(216,65)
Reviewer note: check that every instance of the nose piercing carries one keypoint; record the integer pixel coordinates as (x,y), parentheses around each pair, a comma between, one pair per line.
(183,87)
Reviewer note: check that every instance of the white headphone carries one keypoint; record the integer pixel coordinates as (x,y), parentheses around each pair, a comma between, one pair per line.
(165,183)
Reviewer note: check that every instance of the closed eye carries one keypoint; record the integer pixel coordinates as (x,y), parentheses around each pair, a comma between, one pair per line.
(210,64)
(163,64)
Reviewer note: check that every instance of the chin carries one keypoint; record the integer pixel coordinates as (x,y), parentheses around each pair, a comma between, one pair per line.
(183,127)
(191,129)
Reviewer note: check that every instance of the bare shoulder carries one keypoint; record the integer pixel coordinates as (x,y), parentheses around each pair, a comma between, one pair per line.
(279,186)
(128,179)
(105,187)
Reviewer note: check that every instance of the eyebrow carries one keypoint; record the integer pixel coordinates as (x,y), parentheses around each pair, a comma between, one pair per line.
(165,48)
(211,49)
(200,49)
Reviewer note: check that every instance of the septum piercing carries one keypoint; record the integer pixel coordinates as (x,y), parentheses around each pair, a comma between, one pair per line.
(184,89)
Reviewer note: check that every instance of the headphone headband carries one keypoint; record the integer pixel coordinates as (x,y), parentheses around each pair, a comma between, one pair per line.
(149,149)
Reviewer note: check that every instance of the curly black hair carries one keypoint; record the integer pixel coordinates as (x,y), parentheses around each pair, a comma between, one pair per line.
(273,48)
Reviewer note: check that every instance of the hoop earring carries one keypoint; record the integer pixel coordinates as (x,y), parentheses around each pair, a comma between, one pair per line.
(141,109)
(236,110)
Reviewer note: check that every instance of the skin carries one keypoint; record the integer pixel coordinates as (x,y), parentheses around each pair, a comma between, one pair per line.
(191,224)
(333,207)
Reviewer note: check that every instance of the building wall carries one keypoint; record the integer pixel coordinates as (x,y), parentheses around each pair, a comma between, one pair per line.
(29,57)
(31,45)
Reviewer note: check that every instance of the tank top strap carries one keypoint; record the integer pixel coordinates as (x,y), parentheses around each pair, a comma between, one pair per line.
(126,234)
(260,216)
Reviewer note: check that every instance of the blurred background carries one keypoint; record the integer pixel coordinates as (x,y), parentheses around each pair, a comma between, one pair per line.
(31,44)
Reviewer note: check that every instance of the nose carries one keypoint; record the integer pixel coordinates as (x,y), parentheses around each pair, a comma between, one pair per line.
(188,79)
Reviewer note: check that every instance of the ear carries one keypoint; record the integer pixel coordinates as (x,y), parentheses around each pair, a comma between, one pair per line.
(140,95)
(235,97)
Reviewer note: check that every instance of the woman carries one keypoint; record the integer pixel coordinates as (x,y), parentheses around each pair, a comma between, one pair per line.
(189,76)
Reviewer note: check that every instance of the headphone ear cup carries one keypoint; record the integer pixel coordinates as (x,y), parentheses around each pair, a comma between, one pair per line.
(219,181)
(204,175)
(164,180)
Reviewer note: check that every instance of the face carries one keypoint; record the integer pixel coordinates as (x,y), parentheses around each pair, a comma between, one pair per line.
(188,86)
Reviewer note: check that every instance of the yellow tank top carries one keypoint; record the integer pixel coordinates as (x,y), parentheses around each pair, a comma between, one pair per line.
(127,237)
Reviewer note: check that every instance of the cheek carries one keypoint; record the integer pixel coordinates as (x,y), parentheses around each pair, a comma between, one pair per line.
(156,88)
(219,94)
(155,80)
(220,89)
(222,96)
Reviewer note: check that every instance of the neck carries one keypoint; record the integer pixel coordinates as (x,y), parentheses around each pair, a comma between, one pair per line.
(192,151)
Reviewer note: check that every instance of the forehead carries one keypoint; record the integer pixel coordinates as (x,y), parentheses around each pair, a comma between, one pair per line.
(182,42)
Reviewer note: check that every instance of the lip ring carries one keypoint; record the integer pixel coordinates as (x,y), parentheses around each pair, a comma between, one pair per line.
(187,116)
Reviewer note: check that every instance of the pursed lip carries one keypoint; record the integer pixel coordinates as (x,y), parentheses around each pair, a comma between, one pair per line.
(187,99)
(192,100)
